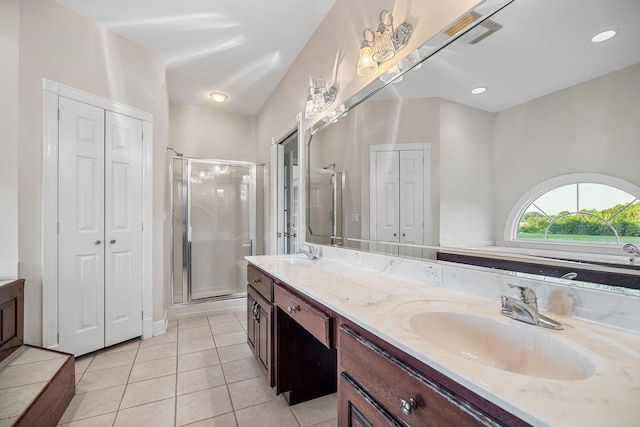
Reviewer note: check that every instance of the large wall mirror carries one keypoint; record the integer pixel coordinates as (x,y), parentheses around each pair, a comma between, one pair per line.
(425,163)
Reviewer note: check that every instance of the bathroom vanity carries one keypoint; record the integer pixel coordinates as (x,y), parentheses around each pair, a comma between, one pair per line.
(401,351)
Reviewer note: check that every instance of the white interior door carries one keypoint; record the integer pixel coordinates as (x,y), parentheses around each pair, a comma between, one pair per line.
(123,228)
(81,227)
(100,228)
(411,197)
(387,197)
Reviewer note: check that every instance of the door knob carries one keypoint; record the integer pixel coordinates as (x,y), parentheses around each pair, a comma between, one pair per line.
(97,242)
(112,241)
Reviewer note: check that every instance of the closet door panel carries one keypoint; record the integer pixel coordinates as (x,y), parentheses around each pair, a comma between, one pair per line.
(123,228)
(81,227)
(411,197)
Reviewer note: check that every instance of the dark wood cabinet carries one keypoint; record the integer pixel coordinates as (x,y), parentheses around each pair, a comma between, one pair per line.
(260,320)
(11,317)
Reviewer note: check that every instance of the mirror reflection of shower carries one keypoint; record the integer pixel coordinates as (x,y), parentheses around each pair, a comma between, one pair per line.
(217,219)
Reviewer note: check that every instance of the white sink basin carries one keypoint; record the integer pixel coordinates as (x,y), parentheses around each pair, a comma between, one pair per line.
(296,259)
(501,344)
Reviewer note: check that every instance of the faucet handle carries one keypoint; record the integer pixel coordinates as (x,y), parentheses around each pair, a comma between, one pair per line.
(527,295)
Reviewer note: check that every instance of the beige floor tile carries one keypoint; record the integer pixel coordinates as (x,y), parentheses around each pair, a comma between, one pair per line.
(166,338)
(105,420)
(200,379)
(226,420)
(333,422)
(243,323)
(153,369)
(104,378)
(317,410)
(172,326)
(197,360)
(193,333)
(202,405)
(226,328)
(275,413)
(33,354)
(230,339)
(240,370)
(15,399)
(198,344)
(241,316)
(235,352)
(148,391)
(250,392)
(222,318)
(156,414)
(133,344)
(193,322)
(157,352)
(93,403)
(112,360)
(82,363)
(29,373)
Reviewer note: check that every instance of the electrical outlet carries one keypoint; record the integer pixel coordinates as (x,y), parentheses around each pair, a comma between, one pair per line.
(433,273)
(355,218)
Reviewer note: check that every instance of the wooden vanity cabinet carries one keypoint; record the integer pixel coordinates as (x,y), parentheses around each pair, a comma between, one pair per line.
(305,355)
(260,319)
(378,387)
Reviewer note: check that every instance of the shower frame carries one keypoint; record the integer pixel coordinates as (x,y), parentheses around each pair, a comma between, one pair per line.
(186,237)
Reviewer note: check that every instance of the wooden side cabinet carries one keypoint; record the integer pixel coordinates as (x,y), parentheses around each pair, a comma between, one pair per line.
(11,317)
(260,330)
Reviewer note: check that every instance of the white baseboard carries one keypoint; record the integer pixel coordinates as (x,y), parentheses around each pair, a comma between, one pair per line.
(211,308)
(160,326)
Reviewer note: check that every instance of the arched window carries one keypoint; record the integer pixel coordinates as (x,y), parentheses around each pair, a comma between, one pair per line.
(589,209)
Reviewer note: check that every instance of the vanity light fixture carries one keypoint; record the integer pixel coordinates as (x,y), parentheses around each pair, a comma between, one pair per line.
(219,96)
(382,45)
(334,115)
(319,99)
(478,90)
(604,36)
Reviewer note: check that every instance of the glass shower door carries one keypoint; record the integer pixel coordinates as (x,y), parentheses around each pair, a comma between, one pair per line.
(219,229)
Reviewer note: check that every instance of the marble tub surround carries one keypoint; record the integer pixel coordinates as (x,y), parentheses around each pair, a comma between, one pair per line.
(383,294)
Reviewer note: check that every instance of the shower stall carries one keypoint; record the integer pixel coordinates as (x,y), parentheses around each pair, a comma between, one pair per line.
(217,209)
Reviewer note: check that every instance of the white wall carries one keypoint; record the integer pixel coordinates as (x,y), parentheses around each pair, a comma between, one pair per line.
(62,46)
(466,175)
(9,52)
(212,134)
(590,127)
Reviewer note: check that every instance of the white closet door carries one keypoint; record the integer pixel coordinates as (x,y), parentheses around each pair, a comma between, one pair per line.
(81,227)
(411,197)
(123,228)
(387,176)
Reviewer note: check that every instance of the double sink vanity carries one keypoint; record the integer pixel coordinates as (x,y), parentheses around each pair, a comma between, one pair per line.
(420,343)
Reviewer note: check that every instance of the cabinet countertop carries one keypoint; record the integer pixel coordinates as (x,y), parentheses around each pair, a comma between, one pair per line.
(382,304)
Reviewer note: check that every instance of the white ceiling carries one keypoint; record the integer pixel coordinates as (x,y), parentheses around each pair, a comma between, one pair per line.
(544,46)
(240,47)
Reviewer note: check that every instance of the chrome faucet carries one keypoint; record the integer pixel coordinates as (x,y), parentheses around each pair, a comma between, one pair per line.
(309,251)
(525,309)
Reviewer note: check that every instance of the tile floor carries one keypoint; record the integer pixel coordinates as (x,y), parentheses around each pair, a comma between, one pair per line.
(199,373)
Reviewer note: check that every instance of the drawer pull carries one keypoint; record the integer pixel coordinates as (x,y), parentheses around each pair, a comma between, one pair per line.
(256,281)
(293,309)
(408,405)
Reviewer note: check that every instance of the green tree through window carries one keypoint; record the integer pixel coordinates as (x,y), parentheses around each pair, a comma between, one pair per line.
(584,212)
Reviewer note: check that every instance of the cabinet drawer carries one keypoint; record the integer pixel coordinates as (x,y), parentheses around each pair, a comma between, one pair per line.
(389,381)
(261,282)
(313,320)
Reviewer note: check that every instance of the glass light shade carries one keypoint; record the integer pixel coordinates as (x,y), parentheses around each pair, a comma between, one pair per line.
(366,65)
(383,49)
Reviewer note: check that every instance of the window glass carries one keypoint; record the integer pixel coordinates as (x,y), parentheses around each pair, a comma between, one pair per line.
(582,212)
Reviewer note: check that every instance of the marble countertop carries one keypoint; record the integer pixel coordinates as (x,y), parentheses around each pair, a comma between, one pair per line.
(384,303)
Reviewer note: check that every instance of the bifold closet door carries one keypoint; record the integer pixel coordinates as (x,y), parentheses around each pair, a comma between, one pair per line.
(100,228)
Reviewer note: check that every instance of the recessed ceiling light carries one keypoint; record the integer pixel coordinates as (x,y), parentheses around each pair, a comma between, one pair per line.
(603,36)
(218,96)
(478,90)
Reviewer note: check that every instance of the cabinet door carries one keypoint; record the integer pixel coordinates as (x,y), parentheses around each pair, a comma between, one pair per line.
(357,408)
(251,322)
(263,337)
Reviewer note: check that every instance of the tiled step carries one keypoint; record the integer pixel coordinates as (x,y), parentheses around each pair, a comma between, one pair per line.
(36,387)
